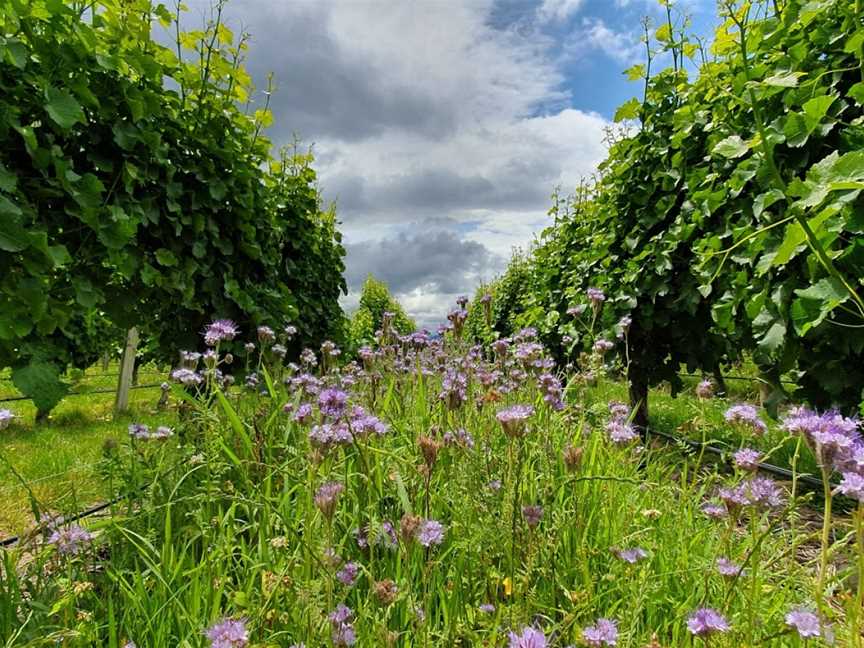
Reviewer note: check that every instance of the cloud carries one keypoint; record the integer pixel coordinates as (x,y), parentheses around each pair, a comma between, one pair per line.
(593,35)
(440,128)
(558,9)
(433,261)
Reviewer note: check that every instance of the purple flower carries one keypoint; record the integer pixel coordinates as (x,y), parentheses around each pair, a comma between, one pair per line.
(303,413)
(706,621)
(852,486)
(6,417)
(327,496)
(532,514)
(747,459)
(726,567)
(70,540)
(228,633)
(713,510)
(618,410)
(266,335)
(705,389)
(341,621)
(601,346)
(348,574)
(528,638)
(805,623)
(602,633)
(139,431)
(487,608)
(221,330)
(632,555)
(290,331)
(430,532)
(764,493)
(331,402)
(833,437)
(576,311)
(187,377)
(746,416)
(620,431)
(514,419)
(595,296)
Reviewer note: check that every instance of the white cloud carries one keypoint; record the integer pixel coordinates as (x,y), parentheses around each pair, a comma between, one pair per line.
(425,117)
(559,9)
(595,35)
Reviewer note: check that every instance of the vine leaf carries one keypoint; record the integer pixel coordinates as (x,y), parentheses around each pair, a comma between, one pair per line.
(63,108)
(731,147)
(40,381)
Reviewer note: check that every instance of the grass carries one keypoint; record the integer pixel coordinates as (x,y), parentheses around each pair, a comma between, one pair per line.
(59,458)
(228,521)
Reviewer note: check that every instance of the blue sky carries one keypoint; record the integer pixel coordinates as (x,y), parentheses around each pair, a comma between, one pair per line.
(441,127)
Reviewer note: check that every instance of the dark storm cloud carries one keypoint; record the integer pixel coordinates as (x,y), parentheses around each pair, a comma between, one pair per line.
(438,261)
(322,90)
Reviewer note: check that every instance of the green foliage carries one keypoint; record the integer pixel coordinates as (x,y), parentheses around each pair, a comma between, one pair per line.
(375,300)
(133,188)
(729,217)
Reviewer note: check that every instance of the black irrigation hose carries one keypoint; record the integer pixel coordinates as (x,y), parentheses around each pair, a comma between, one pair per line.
(750,378)
(106,390)
(8,542)
(777,471)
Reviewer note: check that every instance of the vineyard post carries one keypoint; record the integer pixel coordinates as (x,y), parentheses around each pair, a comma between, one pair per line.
(127,365)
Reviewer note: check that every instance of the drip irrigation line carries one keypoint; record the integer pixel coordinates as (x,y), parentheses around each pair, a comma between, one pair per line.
(750,378)
(8,542)
(777,471)
(106,390)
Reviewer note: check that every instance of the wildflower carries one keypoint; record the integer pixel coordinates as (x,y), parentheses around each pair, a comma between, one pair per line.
(459,437)
(624,325)
(852,486)
(494,485)
(747,459)
(348,574)
(327,496)
(139,431)
(453,389)
(713,510)
(602,345)
(429,533)
(162,432)
(341,623)
(408,526)
(763,492)
(746,416)
(734,498)
(833,437)
(596,297)
(385,591)
(632,555)
(706,621)
(487,608)
(6,417)
(70,540)
(602,633)
(266,335)
(804,622)
(705,389)
(187,377)
(129,644)
(514,419)
(726,567)
(532,514)
(331,402)
(279,351)
(620,431)
(528,638)
(303,413)
(221,330)
(618,410)
(228,633)
(572,457)
(290,331)
(576,311)
(429,447)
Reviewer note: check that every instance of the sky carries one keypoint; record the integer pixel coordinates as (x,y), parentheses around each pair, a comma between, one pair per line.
(442,127)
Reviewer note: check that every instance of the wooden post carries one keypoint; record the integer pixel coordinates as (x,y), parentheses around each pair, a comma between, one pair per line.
(106,360)
(127,364)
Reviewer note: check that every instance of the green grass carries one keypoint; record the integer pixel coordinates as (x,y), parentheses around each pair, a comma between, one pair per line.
(59,458)
(222,522)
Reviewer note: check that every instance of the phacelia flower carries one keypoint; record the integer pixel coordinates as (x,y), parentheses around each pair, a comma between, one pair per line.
(632,555)
(222,330)
(514,419)
(833,437)
(705,389)
(341,622)
(746,416)
(331,402)
(187,377)
(595,296)
(70,540)
(532,514)
(6,417)
(487,608)
(429,533)
(327,496)
(726,567)
(852,486)
(348,574)
(528,638)
(602,346)
(620,431)
(747,459)
(228,633)
(706,621)
(602,633)
(804,622)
